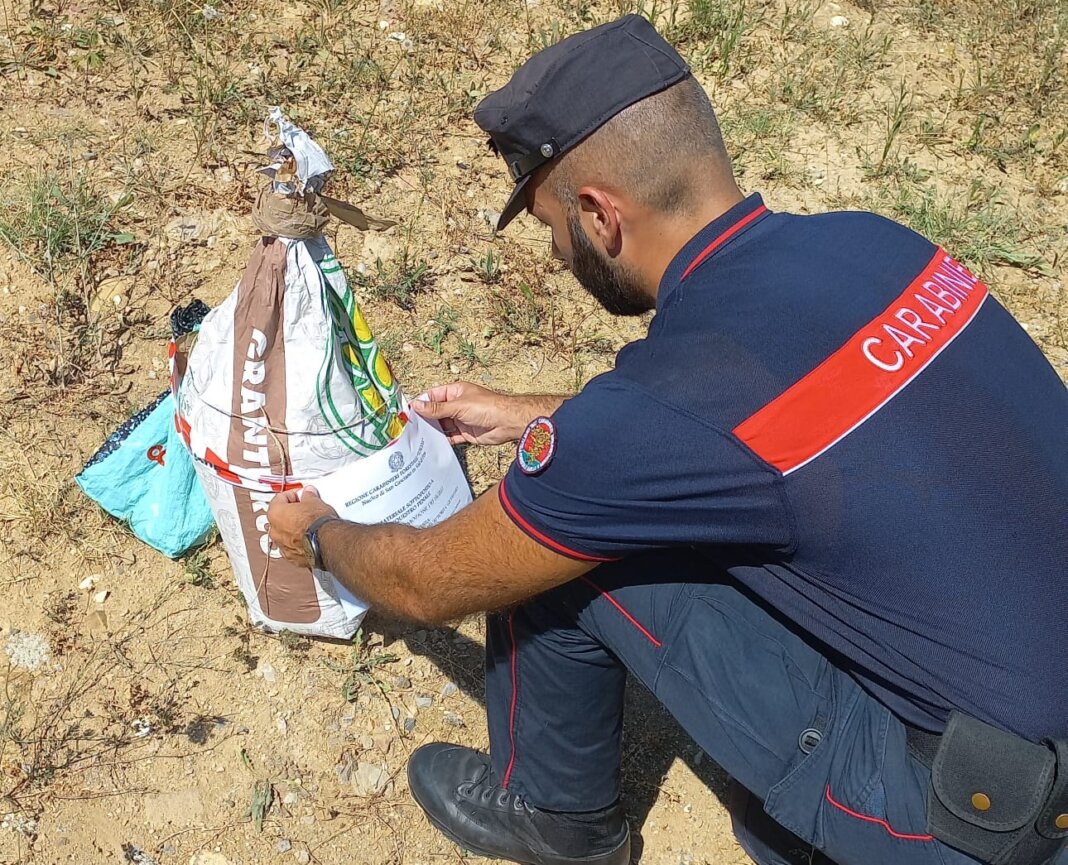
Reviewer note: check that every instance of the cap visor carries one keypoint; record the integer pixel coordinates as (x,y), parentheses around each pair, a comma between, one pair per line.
(517,202)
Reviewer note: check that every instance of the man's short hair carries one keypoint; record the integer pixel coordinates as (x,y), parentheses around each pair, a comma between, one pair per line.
(657,150)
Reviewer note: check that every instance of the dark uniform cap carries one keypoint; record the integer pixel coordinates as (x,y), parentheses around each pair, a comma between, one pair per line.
(564,93)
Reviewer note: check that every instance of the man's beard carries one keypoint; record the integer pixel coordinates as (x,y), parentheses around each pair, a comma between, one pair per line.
(612,285)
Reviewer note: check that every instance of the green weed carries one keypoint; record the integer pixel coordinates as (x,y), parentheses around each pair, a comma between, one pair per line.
(488,267)
(975,227)
(362,668)
(434,335)
(896,114)
(59,224)
(196,567)
(522,314)
(398,282)
(720,28)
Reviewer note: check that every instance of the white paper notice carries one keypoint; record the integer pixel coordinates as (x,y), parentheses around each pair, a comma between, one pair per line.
(417,480)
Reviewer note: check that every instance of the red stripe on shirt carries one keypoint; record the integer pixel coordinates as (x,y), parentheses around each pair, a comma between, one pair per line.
(873,367)
(722,239)
(540,537)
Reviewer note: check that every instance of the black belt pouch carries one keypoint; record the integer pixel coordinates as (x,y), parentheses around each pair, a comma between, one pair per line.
(997,796)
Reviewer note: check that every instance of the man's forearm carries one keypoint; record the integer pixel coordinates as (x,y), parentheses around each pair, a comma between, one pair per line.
(542,403)
(476,560)
(525,407)
(379,564)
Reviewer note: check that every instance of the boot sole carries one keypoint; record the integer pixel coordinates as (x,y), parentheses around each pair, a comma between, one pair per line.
(600,859)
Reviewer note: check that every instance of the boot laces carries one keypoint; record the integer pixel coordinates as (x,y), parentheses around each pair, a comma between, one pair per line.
(484,793)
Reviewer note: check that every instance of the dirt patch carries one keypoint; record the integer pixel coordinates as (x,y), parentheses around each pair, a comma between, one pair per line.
(154,725)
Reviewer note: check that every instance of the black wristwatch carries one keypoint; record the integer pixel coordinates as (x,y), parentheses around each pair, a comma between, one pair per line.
(313,555)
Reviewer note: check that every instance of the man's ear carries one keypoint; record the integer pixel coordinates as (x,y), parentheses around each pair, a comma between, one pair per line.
(601,217)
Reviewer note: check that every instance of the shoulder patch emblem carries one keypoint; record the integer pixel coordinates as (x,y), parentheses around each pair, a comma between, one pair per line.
(536,446)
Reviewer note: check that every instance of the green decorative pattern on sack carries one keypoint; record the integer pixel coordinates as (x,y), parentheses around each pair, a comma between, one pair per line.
(352,350)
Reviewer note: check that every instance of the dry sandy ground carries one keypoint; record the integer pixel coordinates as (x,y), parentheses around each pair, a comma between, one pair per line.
(128,137)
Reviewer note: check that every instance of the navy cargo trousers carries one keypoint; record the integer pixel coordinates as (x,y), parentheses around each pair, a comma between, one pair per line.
(827,761)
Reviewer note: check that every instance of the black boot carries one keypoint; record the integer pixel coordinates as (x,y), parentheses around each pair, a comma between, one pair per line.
(456,788)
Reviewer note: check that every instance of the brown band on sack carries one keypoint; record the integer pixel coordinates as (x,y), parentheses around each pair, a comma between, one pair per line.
(299,217)
(286,592)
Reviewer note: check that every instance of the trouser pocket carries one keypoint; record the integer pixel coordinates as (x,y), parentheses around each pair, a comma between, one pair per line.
(872,809)
(795,801)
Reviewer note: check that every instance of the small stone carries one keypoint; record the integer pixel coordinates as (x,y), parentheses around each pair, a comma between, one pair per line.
(424,701)
(209,857)
(395,712)
(698,757)
(419,636)
(839,21)
(265,671)
(454,369)
(100,597)
(281,724)
(88,582)
(168,849)
(370,779)
(449,689)
(344,771)
(402,683)
(409,724)
(453,720)
(302,856)
(463,166)
(97,623)
(290,798)
(283,845)
(89,156)
(308,820)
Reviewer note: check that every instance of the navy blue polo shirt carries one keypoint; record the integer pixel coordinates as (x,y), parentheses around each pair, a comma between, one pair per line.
(838,413)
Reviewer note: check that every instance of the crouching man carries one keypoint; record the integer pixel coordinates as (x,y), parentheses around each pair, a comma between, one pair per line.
(820,511)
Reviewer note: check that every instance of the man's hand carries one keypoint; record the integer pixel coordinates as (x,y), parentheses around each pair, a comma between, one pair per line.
(476,415)
(289,516)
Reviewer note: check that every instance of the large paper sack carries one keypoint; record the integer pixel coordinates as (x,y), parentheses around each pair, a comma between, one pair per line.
(286,386)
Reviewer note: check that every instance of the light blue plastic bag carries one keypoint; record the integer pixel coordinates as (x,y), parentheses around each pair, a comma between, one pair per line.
(144,476)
